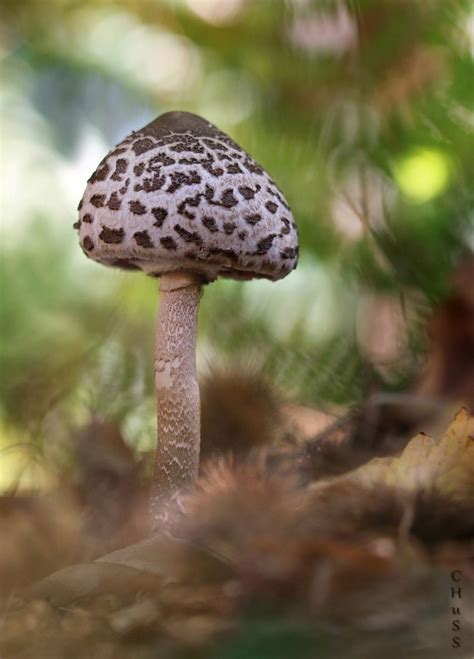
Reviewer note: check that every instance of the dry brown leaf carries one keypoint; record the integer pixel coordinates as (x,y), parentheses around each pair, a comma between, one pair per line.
(90,579)
(138,567)
(445,465)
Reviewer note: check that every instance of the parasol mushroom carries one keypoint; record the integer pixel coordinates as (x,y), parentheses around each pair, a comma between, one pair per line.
(181,201)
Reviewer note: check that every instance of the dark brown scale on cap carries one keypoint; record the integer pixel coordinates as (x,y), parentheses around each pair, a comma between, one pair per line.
(253,218)
(109,235)
(114,202)
(177,187)
(248,193)
(118,151)
(277,195)
(215,146)
(137,208)
(97,200)
(124,188)
(228,200)
(253,167)
(100,173)
(264,245)
(143,239)
(120,169)
(207,164)
(209,193)
(189,201)
(209,223)
(286,225)
(88,244)
(229,228)
(151,184)
(161,159)
(160,215)
(188,236)
(141,146)
(224,156)
(194,147)
(168,242)
(189,161)
(178,179)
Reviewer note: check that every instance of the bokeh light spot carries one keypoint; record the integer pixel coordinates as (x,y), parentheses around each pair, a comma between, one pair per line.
(423,175)
(217,12)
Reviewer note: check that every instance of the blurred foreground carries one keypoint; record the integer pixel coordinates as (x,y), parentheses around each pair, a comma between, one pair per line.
(360,112)
(273,556)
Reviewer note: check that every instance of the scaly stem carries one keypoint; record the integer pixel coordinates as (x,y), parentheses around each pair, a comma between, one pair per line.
(177,394)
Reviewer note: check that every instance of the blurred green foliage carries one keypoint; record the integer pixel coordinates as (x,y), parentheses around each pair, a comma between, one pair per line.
(359,110)
(275,639)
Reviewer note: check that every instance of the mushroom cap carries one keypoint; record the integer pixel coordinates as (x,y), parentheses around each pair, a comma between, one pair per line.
(180,196)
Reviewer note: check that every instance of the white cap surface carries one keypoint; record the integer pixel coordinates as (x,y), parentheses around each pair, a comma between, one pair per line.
(180,196)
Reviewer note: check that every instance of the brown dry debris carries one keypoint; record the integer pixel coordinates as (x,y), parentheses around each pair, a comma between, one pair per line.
(240,410)
(449,371)
(370,549)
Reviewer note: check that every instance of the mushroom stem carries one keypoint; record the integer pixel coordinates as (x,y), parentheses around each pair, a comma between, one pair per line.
(177,394)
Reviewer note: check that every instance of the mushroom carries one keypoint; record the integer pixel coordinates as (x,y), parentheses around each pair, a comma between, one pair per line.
(181,201)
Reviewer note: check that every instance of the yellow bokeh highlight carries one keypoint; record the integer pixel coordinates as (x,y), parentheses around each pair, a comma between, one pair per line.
(21,467)
(423,175)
